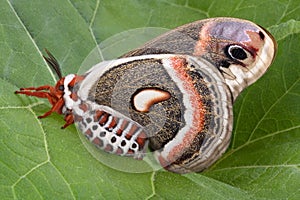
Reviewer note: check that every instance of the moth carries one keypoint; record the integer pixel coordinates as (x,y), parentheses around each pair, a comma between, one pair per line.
(172,96)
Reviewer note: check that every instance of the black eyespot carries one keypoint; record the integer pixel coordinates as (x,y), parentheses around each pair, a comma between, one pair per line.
(123,143)
(261,35)
(102,134)
(134,145)
(89,120)
(113,139)
(61,88)
(236,52)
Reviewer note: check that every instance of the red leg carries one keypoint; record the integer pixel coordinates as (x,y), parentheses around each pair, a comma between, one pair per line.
(38,94)
(69,120)
(55,97)
(35,94)
(44,87)
(45,114)
(56,108)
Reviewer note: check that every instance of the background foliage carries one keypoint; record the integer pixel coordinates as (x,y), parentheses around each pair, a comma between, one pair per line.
(38,160)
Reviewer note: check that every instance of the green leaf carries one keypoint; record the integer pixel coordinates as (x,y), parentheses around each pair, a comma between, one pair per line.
(38,160)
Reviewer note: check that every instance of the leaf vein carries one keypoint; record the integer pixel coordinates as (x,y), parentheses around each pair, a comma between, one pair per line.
(30,37)
(270,108)
(296,166)
(253,141)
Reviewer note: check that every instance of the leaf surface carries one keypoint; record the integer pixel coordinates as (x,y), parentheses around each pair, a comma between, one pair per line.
(38,160)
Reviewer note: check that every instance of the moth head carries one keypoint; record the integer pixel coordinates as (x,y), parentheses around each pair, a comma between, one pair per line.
(59,88)
(61,96)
